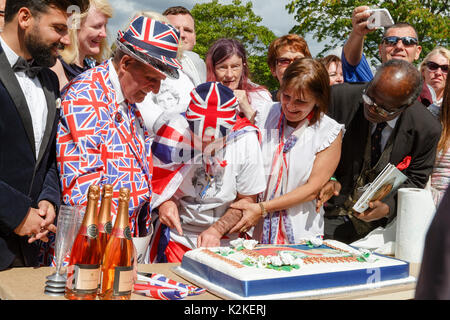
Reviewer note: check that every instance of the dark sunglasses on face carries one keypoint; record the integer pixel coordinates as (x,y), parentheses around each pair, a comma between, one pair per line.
(433,66)
(407,41)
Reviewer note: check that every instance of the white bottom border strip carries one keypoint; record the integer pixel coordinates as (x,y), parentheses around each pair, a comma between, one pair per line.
(223,293)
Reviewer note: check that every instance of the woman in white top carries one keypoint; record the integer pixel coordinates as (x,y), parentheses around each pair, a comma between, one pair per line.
(301,150)
(226,62)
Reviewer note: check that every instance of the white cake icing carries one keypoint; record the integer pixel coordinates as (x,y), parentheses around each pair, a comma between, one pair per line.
(245,265)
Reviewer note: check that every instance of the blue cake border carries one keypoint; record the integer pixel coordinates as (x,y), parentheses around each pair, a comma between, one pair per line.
(294,283)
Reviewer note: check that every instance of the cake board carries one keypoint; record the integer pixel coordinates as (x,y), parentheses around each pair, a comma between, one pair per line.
(306,294)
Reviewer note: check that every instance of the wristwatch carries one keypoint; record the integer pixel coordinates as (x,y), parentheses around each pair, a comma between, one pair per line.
(263,210)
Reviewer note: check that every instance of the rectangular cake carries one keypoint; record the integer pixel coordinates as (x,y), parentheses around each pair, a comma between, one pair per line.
(248,270)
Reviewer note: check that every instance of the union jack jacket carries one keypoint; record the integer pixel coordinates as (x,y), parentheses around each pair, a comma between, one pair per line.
(97,143)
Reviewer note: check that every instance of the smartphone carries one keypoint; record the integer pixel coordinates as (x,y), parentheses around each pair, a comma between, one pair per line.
(379,18)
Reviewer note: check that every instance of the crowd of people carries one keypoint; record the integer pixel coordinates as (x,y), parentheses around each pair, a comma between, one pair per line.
(208,155)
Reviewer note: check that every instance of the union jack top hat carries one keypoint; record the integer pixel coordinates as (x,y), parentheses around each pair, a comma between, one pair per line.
(152,42)
(213,108)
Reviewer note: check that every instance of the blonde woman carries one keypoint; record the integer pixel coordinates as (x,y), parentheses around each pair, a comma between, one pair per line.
(88,44)
(440,177)
(434,69)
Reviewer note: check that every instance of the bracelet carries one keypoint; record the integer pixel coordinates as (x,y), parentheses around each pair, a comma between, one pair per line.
(263,210)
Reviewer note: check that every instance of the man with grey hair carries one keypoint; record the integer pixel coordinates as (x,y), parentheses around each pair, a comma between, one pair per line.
(384,124)
(101,135)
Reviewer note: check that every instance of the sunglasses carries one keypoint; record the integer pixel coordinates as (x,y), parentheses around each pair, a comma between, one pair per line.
(285,61)
(380,110)
(433,66)
(407,41)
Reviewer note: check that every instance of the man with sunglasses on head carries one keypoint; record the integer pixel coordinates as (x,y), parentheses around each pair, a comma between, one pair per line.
(384,124)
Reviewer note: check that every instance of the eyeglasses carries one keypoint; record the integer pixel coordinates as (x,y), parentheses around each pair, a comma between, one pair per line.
(407,41)
(285,61)
(433,66)
(380,109)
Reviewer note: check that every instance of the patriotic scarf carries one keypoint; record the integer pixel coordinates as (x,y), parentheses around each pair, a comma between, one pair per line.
(277,227)
(212,106)
(173,149)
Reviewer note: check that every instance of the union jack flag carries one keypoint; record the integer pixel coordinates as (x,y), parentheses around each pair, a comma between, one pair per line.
(172,149)
(160,287)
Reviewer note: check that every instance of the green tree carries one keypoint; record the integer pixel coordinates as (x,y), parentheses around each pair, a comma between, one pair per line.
(214,21)
(331,20)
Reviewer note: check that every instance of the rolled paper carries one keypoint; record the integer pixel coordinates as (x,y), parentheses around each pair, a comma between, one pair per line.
(415,210)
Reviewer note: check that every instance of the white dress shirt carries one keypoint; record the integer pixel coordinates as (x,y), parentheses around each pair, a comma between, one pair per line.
(120,99)
(34,95)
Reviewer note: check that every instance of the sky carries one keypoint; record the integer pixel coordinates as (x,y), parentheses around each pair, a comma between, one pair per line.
(273,12)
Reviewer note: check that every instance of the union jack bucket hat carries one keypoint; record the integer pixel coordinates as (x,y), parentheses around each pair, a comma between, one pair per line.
(212,110)
(152,42)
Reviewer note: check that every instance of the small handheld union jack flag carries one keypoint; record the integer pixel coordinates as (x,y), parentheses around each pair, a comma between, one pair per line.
(213,107)
(160,287)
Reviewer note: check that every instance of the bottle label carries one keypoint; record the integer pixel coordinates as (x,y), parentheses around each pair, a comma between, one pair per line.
(84,279)
(105,228)
(122,233)
(90,231)
(123,280)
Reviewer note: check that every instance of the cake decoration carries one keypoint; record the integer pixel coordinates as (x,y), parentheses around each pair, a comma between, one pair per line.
(243,253)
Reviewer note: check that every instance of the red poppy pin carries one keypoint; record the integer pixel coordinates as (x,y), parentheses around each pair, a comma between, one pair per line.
(223,163)
(404,164)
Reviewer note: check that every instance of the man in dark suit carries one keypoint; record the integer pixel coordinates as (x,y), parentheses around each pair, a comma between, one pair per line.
(29,96)
(384,124)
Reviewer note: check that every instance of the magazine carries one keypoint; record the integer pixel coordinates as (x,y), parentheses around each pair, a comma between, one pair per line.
(386,182)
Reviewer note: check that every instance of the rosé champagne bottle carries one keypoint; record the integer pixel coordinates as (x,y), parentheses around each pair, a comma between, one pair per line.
(104,217)
(83,270)
(117,265)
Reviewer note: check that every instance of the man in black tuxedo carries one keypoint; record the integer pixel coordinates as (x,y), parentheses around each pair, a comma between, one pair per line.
(29,96)
(384,124)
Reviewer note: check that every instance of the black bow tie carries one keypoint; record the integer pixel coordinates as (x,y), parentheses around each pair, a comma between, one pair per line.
(30,69)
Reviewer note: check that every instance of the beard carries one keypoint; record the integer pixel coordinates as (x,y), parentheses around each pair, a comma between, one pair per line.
(41,52)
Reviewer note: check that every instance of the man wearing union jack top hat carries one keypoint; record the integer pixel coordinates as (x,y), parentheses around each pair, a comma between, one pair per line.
(101,137)
(224,165)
